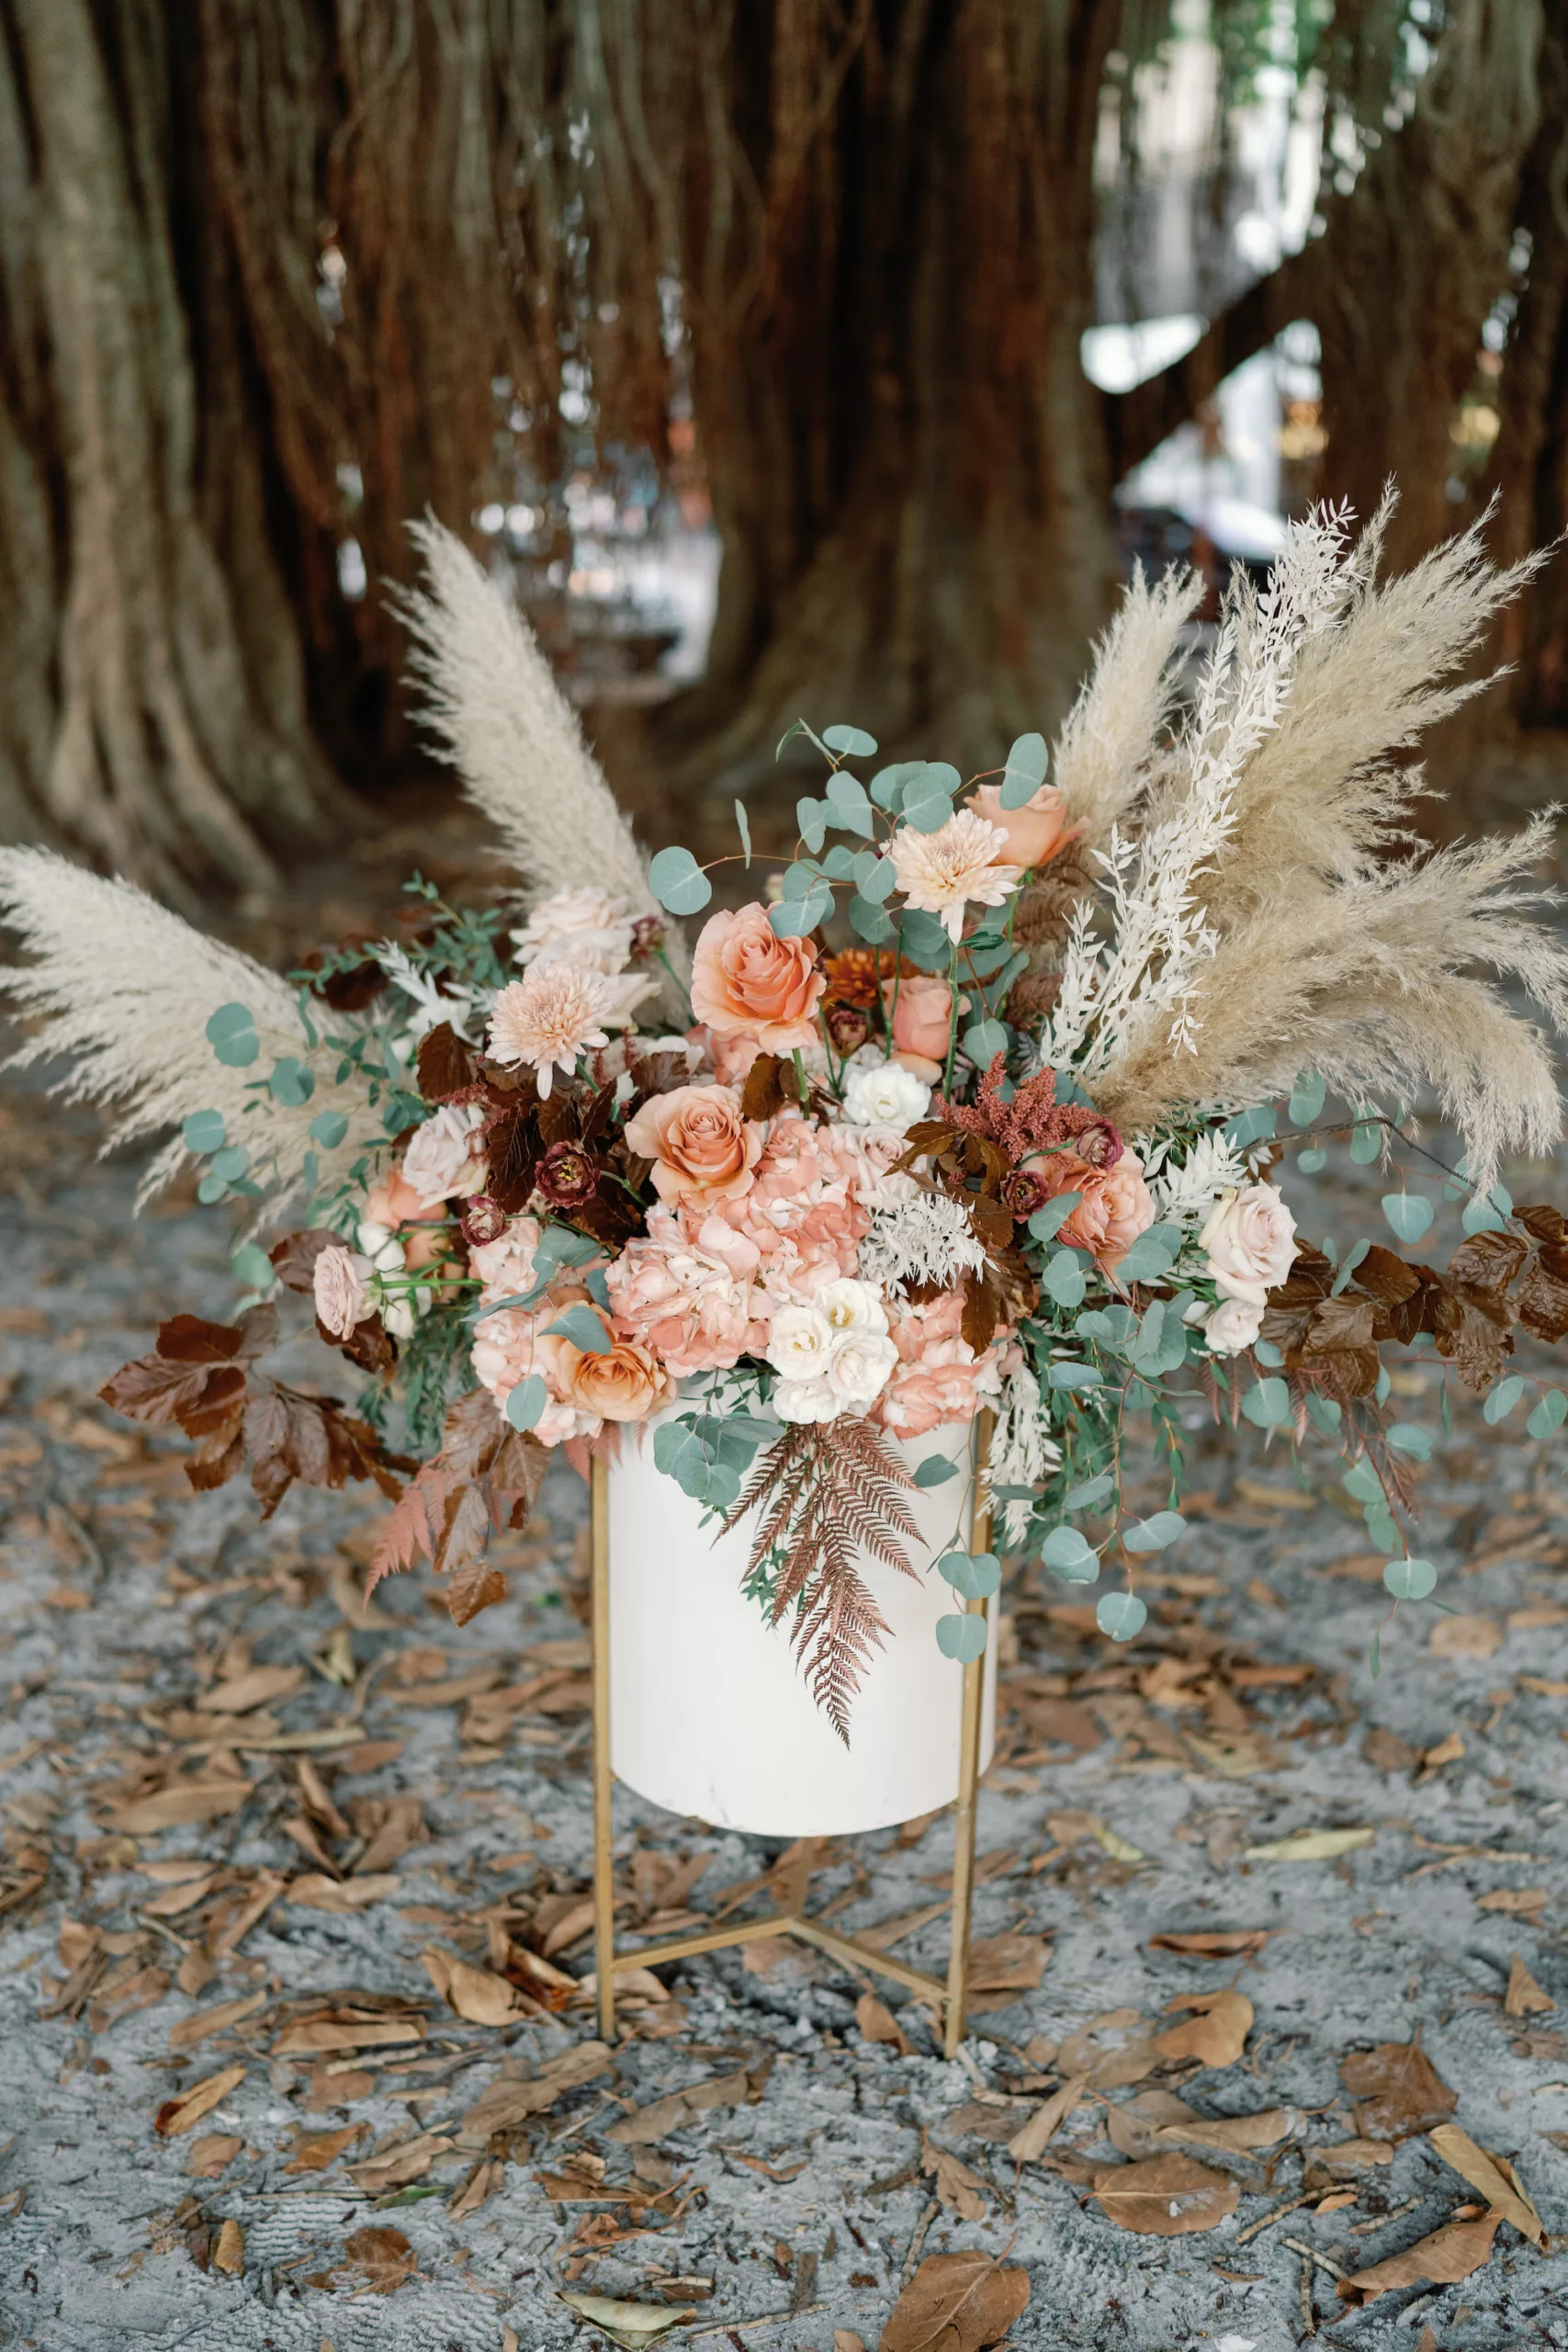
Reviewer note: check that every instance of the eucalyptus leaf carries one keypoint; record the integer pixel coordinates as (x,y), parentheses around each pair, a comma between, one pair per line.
(1121,1615)
(292,1082)
(1409,1437)
(875,876)
(1410,1579)
(1047,1221)
(584,1328)
(526,1403)
(1155,1533)
(253,1268)
(1312,1161)
(925,943)
(852,742)
(871,922)
(1408,1214)
(1075,1377)
(983,1040)
(1253,1126)
(963,1638)
(1268,1403)
(743,826)
(203,1131)
(1064,1279)
(1498,1404)
(975,1575)
(329,1127)
(1152,1254)
(1549,1415)
(678,882)
(1068,1554)
(1307,1097)
(935,1471)
(1025,771)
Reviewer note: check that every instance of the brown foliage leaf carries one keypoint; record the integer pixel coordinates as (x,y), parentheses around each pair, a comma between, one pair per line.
(1450,2253)
(1494,2176)
(877,2022)
(1397,2088)
(762,1096)
(384,2258)
(1542,1302)
(475,1994)
(956,2302)
(1216,2036)
(1166,2197)
(509,2103)
(294,1258)
(485,1476)
(1029,2142)
(1223,1943)
(317,2151)
(211,2155)
(448,1067)
(1112,2050)
(1524,1997)
(958,2190)
(182,2114)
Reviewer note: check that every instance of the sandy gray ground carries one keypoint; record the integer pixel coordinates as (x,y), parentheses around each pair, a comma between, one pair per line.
(121,1591)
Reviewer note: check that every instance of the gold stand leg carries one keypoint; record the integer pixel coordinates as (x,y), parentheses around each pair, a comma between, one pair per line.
(968,1769)
(604,1885)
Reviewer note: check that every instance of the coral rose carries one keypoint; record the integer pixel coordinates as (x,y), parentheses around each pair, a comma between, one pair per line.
(921,1013)
(701,1147)
(1250,1237)
(620,1383)
(746,980)
(1035,833)
(1114,1208)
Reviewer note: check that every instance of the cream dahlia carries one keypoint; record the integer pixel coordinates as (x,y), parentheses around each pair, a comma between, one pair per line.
(941,872)
(549,1017)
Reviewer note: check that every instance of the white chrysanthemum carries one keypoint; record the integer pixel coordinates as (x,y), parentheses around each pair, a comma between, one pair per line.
(1021,1452)
(965,860)
(1184,1196)
(926,1240)
(588,928)
(549,1017)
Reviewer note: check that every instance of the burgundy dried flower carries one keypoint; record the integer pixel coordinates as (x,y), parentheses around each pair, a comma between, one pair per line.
(567,1176)
(1023,1192)
(847,1027)
(648,938)
(482,1220)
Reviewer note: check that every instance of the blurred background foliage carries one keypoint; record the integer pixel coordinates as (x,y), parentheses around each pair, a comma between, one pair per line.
(783,356)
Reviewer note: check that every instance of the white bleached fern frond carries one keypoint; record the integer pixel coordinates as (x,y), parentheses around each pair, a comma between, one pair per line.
(1184,1196)
(926,1240)
(496,713)
(1022,1449)
(126,990)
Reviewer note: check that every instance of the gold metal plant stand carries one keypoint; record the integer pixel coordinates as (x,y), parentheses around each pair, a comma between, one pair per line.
(949,1998)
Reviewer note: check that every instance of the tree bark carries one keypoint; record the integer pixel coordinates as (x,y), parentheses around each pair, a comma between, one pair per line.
(158,719)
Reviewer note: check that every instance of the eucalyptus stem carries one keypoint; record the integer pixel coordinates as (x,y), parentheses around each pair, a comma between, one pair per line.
(951,1020)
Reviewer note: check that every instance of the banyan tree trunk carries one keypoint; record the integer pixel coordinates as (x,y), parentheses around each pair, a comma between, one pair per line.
(154,717)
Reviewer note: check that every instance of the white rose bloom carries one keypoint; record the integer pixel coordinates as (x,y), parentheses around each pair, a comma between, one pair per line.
(1250,1238)
(860,1366)
(438,1163)
(799,1343)
(850,1306)
(584,927)
(884,1094)
(805,1400)
(1233,1326)
(382,1246)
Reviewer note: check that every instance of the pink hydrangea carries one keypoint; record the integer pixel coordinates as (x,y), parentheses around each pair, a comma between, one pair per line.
(804,1210)
(687,1293)
(938,1377)
(505,1266)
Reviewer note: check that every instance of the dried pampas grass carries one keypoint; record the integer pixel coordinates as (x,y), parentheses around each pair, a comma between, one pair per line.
(1270,913)
(126,988)
(497,716)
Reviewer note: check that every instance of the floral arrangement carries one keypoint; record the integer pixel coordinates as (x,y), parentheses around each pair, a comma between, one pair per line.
(975,1109)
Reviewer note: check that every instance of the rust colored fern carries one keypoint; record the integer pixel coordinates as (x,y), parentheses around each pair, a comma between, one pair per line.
(825,1492)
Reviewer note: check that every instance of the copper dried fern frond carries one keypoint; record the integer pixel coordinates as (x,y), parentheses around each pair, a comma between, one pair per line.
(823,1491)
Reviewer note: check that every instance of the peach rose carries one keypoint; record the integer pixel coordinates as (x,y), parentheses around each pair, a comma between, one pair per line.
(1114,1209)
(921,1013)
(1035,833)
(621,1383)
(729,1058)
(746,980)
(394,1202)
(701,1147)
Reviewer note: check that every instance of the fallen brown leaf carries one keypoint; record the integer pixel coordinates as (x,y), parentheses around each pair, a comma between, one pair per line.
(384,2258)
(1524,1996)
(507,2103)
(1519,1901)
(1215,2036)
(630,2324)
(1134,2124)
(1227,2133)
(1447,1751)
(1464,1637)
(1068,1826)
(395,2167)
(1387,1752)
(1494,2177)
(645,2125)
(257,1688)
(1166,2197)
(315,2151)
(1006,1963)
(1347,2157)
(1028,2143)
(1222,1944)
(474,1993)
(1111,2049)
(877,2022)
(1397,2088)
(956,2302)
(228,2254)
(178,2114)
(481,2184)
(211,2155)
(316,1892)
(206,2022)
(341,2029)
(1452,2253)
(958,2189)
(1311,1846)
(178,1807)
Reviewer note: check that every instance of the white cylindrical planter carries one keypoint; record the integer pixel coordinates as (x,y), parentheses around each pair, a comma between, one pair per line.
(709,1714)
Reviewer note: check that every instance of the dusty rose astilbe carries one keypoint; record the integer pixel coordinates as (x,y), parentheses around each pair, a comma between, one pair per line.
(1033,1122)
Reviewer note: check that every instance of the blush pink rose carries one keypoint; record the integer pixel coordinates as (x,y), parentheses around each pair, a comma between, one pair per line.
(342,1286)
(1250,1237)
(746,981)
(1114,1209)
(699,1146)
(1035,833)
(921,1014)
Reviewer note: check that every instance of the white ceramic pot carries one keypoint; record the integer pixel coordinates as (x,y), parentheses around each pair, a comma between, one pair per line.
(709,1714)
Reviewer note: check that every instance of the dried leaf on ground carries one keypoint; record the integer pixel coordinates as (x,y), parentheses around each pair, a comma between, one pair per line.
(1311,1845)
(1518,1901)
(383,2257)
(877,2022)
(211,2155)
(1447,1751)
(645,2125)
(1397,2089)
(180,1806)
(1524,1997)
(1347,2157)
(507,2103)
(315,2151)
(316,1892)
(345,2029)
(1028,2143)
(1006,1963)
(206,2022)
(395,2167)
(1216,2036)
(1452,2253)
(1465,1637)
(178,2114)
(1494,2176)
(228,2254)
(1111,2049)
(1134,2124)
(257,1688)
(960,2190)
(628,2325)
(1235,2134)
(1226,1943)
(1387,1752)
(1166,2197)
(956,2302)
(1073,1824)
(474,1993)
